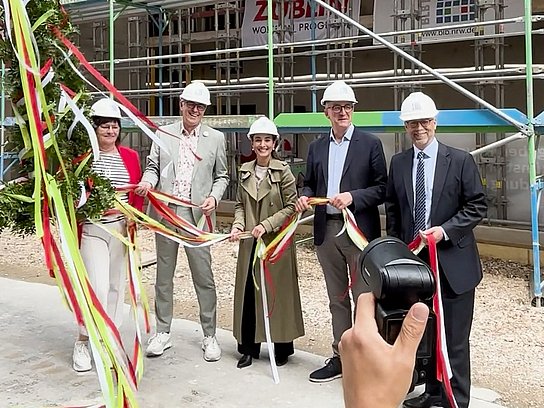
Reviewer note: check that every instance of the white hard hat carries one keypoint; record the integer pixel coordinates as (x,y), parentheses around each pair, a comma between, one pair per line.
(196,92)
(105,108)
(338,91)
(417,105)
(263,126)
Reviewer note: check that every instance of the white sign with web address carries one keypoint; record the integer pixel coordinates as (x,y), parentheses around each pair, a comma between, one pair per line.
(441,16)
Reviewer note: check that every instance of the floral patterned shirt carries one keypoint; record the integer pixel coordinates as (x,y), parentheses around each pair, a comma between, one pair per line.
(186,163)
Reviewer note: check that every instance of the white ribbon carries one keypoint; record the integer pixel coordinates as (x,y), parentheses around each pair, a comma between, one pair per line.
(62,103)
(443,340)
(80,117)
(83,197)
(48,77)
(269,344)
(144,128)
(444,344)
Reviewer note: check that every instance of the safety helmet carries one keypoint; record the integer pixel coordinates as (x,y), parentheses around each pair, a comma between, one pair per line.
(338,91)
(417,105)
(263,126)
(105,108)
(196,92)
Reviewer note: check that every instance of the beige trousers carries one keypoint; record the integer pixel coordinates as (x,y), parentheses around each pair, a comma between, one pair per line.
(105,258)
(200,264)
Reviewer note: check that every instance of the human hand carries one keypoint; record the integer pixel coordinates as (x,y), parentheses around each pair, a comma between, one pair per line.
(341,200)
(258,231)
(208,206)
(301,204)
(436,232)
(143,188)
(374,373)
(235,234)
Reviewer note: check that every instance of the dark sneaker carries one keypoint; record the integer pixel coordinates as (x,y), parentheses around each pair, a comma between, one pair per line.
(331,371)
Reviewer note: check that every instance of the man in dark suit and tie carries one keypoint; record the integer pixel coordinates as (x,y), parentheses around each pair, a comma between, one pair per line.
(434,189)
(348,166)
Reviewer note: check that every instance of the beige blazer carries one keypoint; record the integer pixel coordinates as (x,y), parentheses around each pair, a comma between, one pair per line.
(210,173)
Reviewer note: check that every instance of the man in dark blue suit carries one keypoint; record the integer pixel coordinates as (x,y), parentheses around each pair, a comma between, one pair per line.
(347,166)
(436,189)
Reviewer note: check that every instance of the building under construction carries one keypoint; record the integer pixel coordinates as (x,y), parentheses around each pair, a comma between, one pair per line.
(151,49)
(159,46)
(275,57)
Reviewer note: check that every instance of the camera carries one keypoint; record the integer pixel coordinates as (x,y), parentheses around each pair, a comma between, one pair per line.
(398,279)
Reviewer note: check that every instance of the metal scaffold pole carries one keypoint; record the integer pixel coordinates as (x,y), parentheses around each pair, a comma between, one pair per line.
(313,59)
(490,52)
(112,42)
(536,185)
(270,61)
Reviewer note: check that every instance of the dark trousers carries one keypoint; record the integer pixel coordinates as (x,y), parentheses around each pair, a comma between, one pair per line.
(248,346)
(458,314)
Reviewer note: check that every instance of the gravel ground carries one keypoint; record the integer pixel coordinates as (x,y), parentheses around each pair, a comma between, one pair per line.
(507,336)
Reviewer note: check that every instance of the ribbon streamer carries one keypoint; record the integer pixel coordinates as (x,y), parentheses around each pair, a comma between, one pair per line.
(443,372)
(119,386)
(259,250)
(80,117)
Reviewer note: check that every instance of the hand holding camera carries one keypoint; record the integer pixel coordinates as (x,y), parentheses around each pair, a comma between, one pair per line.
(390,347)
(375,373)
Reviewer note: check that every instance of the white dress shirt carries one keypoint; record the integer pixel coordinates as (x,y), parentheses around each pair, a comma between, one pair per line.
(337,158)
(430,164)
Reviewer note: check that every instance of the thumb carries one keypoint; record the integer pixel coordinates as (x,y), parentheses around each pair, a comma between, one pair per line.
(413,328)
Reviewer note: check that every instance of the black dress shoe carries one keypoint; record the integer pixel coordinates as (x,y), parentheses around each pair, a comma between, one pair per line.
(245,361)
(281,361)
(424,400)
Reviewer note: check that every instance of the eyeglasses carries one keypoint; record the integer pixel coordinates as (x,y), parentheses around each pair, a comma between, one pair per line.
(414,124)
(192,105)
(348,107)
(106,126)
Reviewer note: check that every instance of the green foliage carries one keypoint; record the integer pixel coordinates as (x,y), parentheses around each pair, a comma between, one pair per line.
(16,214)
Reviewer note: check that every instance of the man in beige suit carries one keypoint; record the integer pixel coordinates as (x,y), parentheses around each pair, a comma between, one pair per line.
(194,168)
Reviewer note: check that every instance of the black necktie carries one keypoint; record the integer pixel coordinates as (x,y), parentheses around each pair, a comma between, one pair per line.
(419,208)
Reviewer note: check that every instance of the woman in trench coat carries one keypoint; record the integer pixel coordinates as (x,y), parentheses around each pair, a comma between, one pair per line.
(265,200)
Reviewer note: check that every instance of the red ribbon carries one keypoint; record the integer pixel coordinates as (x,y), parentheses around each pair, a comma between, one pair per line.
(441,362)
(271,257)
(45,69)
(67,284)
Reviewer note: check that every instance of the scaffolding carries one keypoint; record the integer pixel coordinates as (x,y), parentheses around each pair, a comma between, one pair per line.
(491,51)
(202,34)
(165,44)
(406,16)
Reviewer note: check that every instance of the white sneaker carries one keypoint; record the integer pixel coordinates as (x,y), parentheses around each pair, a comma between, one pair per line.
(158,344)
(81,357)
(210,346)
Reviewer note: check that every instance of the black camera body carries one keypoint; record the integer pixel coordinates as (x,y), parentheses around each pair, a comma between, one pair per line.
(398,279)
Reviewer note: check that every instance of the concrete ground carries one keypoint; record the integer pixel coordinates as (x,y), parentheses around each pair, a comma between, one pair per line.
(37,334)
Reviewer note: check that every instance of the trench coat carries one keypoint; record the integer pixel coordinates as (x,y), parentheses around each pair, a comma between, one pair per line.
(271,205)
